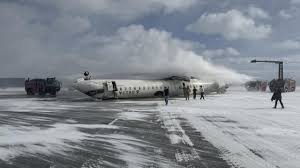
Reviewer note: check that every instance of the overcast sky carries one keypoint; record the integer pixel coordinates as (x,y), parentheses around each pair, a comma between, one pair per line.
(211,39)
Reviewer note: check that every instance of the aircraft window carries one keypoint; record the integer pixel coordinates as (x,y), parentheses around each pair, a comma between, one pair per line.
(129,88)
(139,88)
(120,88)
(134,88)
(152,87)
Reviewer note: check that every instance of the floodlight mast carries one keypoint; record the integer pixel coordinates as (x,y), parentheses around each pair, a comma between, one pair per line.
(280,66)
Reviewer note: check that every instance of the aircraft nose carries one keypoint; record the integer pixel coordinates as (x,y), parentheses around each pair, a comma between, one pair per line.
(87,87)
(77,84)
(78,80)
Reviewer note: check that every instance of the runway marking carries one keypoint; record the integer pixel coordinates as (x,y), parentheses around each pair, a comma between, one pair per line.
(186,156)
(175,132)
(115,120)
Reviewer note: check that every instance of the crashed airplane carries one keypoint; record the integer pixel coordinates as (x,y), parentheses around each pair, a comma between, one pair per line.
(123,89)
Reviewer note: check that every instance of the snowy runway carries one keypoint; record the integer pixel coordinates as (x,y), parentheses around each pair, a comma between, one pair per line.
(245,128)
(238,129)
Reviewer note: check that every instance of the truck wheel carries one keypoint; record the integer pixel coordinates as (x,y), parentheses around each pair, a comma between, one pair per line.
(53,93)
(29,92)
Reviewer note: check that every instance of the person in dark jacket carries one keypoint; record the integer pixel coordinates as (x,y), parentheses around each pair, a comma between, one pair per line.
(188,90)
(194,92)
(201,92)
(184,91)
(166,94)
(277,97)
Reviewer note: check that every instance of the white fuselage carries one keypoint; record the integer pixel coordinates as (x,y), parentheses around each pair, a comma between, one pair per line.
(110,88)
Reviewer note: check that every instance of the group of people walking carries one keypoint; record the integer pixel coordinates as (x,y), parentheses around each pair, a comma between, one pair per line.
(187,90)
(186,93)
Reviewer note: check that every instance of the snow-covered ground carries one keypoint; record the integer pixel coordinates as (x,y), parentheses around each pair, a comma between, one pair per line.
(244,126)
(11,91)
(74,131)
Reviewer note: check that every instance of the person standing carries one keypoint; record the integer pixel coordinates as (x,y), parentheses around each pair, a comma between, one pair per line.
(188,90)
(277,97)
(201,92)
(166,94)
(194,92)
(184,91)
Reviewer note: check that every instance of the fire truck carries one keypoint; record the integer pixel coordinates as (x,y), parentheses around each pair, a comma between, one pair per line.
(257,85)
(42,86)
(286,85)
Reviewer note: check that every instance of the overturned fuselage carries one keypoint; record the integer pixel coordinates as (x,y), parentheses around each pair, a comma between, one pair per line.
(122,89)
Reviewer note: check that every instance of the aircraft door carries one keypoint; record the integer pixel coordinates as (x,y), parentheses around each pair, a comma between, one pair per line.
(110,89)
(114,86)
(110,86)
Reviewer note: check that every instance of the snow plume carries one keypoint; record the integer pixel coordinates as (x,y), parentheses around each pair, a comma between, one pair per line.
(133,49)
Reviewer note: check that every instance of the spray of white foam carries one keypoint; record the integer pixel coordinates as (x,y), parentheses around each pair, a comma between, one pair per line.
(134,49)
